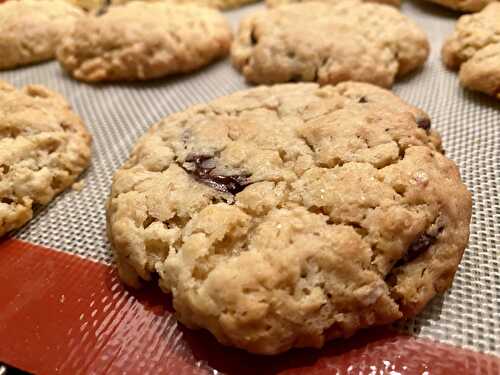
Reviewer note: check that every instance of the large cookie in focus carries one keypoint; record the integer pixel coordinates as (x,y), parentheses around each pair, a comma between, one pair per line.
(289,215)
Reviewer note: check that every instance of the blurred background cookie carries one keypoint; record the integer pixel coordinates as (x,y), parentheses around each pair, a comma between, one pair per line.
(464,5)
(474,50)
(219,4)
(328,43)
(30,30)
(44,147)
(274,3)
(140,41)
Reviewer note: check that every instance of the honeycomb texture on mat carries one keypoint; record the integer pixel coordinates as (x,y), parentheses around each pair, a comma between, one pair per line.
(468,315)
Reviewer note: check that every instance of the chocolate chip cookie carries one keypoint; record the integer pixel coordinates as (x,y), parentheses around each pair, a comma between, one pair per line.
(140,41)
(328,43)
(474,50)
(44,146)
(30,30)
(289,215)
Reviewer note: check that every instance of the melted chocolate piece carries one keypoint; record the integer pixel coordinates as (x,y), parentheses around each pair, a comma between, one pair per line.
(362,100)
(6,200)
(253,38)
(424,123)
(4,168)
(418,246)
(204,173)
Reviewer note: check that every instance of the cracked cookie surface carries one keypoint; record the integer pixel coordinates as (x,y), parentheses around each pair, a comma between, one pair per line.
(31,30)
(288,215)
(139,41)
(328,43)
(474,50)
(44,146)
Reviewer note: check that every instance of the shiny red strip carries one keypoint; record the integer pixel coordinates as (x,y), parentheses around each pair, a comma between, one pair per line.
(63,314)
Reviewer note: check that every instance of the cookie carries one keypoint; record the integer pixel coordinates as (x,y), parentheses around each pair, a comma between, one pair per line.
(464,5)
(44,147)
(219,4)
(289,215)
(140,41)
(30,30)
(328,43)
(275,3)
(474,50)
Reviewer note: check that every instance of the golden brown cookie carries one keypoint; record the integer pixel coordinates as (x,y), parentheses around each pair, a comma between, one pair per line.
(140,41)
(219,4)
(464,5)
(328,43)
(44,147)
(474,50)
(289,215)
(30,30)
(275,3)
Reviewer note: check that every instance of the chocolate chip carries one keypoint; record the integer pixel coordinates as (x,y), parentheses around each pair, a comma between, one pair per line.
(422,243)
(226,184)
(424,123)
(4,168)
(6,200)
(149,220)
(253,37)
(203,172)
(362,100)
(418,246)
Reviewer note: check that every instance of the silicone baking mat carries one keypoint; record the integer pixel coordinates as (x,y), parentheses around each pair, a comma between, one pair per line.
(62,309)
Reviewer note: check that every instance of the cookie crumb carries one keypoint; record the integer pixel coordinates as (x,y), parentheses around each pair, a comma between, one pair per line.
(78,186)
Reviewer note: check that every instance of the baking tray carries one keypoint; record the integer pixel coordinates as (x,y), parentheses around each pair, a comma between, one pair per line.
(63,310)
